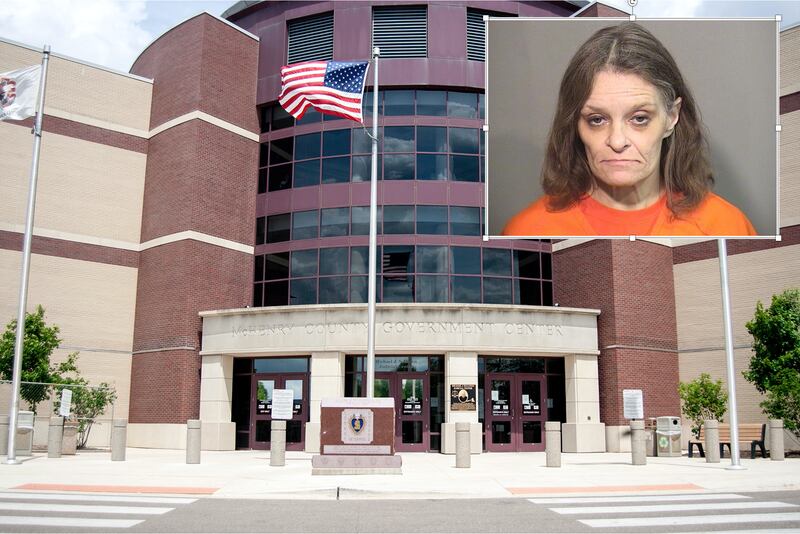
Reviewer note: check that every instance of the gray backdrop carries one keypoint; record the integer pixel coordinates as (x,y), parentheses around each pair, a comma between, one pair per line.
(729,65)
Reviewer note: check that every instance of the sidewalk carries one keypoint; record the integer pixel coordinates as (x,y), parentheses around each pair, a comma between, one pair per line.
(247,474)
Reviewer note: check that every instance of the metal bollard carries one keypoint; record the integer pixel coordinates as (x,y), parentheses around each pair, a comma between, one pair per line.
(462,445)
(776,451)
(552,443)
(55,435)
(3,435)
(711,429)
(638,443)
(119,440)
(193,441)
(277,447)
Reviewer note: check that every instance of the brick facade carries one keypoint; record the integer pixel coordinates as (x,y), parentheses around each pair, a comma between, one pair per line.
(200,177)
(632,284)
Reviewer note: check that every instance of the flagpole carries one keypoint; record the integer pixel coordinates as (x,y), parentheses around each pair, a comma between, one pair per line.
(13,411)
(373,235)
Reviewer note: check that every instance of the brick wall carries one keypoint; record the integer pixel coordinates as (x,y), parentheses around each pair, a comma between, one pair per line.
(199,177)
(632,284)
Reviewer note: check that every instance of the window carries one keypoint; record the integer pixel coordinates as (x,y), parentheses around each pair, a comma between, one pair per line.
(400,31)
(462,105)
(305,224)
(336,170)
(398,102)
(433,103)
(278,228)
(432,220)
(277,266)
(304,263)
(333,260)
(310,38)
(260,230)
(334,222)
(465,220)
(432,259)
(398,219)
(466,260)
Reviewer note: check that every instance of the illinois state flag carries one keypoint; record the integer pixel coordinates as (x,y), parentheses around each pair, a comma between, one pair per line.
(18,92)
(333,87)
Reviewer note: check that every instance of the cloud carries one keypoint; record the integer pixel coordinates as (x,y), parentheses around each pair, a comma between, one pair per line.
(105,32)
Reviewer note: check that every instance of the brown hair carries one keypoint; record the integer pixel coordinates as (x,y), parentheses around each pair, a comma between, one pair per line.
(630,49)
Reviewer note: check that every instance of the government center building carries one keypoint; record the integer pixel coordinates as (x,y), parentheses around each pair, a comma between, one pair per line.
(201,248)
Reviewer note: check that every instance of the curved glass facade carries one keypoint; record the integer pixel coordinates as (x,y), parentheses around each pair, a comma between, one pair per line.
(313,223)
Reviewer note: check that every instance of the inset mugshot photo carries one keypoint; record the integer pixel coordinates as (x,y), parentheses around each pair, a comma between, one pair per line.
(631,128)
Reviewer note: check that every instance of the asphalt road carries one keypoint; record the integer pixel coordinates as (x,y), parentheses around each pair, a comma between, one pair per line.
(774,511)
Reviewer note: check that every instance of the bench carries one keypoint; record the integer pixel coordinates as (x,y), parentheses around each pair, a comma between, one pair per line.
(752,432)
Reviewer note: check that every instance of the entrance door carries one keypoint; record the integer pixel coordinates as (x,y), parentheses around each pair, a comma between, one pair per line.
(262,387)
(514,411)
(411,398)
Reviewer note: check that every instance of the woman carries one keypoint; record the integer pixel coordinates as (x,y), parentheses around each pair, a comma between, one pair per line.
(626,153)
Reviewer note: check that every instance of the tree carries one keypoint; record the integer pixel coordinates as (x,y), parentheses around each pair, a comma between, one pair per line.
(702,399)
(88,402)
(38,344)
(775,365)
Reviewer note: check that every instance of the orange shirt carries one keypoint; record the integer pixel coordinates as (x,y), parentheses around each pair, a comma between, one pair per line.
(714,216)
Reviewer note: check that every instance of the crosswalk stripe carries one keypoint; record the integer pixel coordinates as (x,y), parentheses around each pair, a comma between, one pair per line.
(78,522)
(83,508)
(748,531)
(94,498)
(691,520)
(686,507)
(645,498)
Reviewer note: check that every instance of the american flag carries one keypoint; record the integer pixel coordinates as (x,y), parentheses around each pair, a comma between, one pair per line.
(333,87)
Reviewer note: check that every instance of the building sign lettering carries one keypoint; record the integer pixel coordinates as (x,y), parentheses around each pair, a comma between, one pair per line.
(402,328)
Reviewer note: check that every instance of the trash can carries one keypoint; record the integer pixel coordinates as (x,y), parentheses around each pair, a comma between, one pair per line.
(668,436)
(651,444)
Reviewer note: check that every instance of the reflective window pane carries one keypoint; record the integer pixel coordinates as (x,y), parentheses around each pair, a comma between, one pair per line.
(262,181)
(431,139)
(397,260)
(263,154)
(527,292)
(306,173)
(336,142)
(398,219)
(481,106)
(358,289)
(359,258)
(464,140)
(278,228)
(333,290)
(432,220)
(526,264)
(432,259)
(303,291)
(362,168)
(276,293)
(431,167)
(466,289)
(305,224)
(307,146)
(258,295)
(258,270)
(465,260)
(398,102)
(334,222)
(277,266)
(336,170)
(464,105)
(333,260)
(261,229)
(360,225)
(464,168)
(547,293)
(433,103)
(398,139)
(281,365)
(497,290)
(465,220)
(398,167)
(304,263)
(309,117)
(281,119)
(280,150)
(362,144)
(547,267)
(280,177)
(398,288)
(496,261)
(432,288)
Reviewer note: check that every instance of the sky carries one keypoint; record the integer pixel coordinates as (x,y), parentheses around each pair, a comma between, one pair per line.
(112,33)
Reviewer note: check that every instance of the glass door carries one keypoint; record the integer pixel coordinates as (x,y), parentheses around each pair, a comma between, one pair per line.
(262,389)
(499,412)
(412,413)
(514,415)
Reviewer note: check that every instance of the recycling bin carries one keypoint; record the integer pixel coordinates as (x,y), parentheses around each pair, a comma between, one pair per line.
(668,436)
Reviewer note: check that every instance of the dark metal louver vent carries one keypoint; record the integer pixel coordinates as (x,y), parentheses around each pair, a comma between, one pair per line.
(400,31)
(310,39)
(476,35)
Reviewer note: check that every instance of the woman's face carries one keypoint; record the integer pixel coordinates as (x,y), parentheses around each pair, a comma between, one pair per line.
(622,125)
